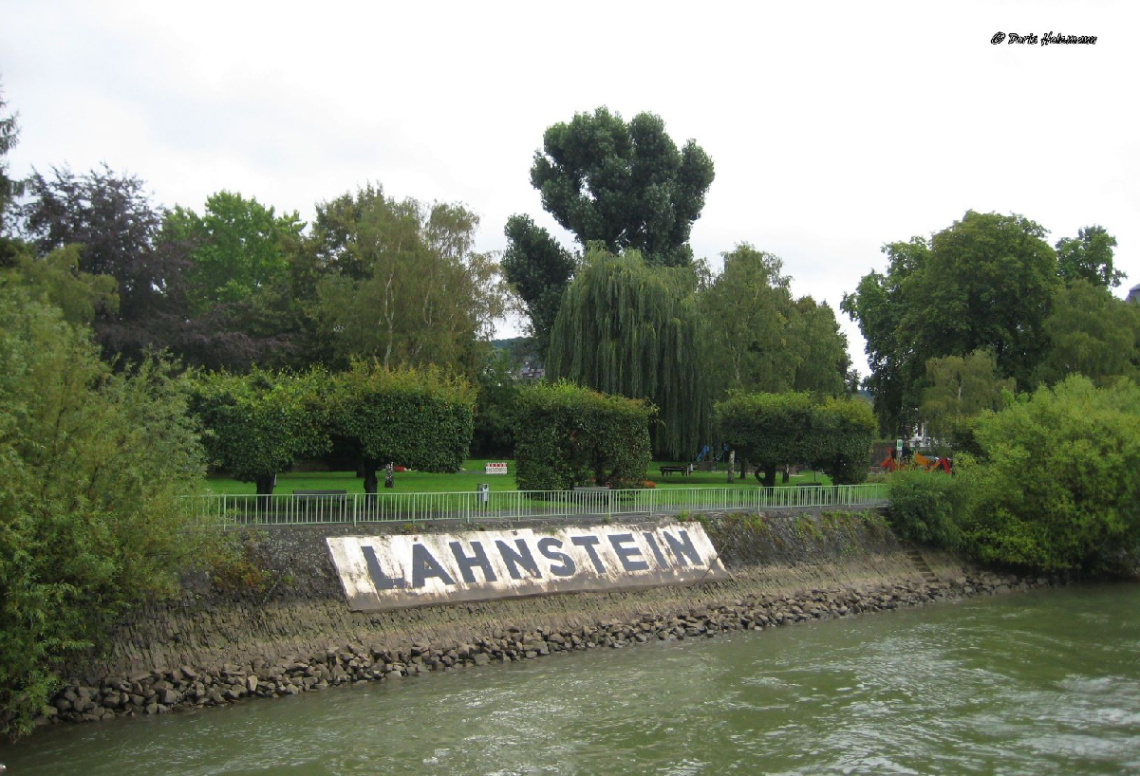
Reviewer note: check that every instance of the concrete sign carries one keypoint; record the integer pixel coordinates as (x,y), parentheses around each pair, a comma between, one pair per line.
(392,572)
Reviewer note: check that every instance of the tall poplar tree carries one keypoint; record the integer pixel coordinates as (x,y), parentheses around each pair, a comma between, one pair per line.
(622,185)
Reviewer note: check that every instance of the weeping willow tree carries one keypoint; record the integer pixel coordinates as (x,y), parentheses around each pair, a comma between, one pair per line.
(630,329)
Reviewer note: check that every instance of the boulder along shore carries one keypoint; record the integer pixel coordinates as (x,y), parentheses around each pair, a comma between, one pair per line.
(289,630)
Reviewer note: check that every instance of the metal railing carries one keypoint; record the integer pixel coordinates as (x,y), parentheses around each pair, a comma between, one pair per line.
(354,508)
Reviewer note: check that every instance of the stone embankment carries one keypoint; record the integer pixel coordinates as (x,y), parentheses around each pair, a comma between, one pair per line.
(208,651)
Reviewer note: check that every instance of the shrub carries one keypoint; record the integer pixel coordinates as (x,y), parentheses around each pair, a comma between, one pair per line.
(421,418)
(771,430)
(569,435)
(1058,485)
(92,514)
(926,507)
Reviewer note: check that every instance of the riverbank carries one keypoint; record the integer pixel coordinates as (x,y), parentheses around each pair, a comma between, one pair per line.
(289,630)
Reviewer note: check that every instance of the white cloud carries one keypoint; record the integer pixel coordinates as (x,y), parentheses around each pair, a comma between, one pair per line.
(834,127)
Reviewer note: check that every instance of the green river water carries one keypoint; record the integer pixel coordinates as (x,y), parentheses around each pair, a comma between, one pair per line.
(1028,683)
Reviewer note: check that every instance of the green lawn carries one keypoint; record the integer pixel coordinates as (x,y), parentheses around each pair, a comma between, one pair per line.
(468,480)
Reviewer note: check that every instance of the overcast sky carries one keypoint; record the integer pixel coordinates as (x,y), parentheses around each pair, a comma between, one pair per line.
(834,127)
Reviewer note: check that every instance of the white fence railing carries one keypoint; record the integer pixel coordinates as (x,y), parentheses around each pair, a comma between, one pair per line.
(352,508)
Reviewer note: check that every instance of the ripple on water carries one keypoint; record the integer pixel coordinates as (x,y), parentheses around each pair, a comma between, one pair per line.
(1035,684)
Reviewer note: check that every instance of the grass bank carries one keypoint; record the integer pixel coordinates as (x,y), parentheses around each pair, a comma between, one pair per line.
(472,474)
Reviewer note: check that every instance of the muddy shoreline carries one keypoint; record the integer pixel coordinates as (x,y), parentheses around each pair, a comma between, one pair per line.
(292,632)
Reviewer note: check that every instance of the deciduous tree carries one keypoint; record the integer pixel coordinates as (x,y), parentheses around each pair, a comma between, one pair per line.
(403,284)
(629,329)
(1089,257)
(624,185)
(961,388)
(258,424)
(112,217)
(768,430)
(568,435)
(985,282)
(1092,333)
(417,418)
(1057,484)
(237,248)
(9,134)
(539,269)
(750,311)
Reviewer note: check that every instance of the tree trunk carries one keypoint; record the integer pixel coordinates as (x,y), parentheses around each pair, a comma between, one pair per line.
(370,480)
(787,474)
(769,480)
(264,484)
(743,468)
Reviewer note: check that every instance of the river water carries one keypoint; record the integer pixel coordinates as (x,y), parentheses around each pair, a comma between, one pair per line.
(1036,683)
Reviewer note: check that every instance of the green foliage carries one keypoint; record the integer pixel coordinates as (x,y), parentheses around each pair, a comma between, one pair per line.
(495,409)
(417,418)
(927,507)
(538,268)
(878,305)
(112,217)
(570,436)
(985,282)
(748,308)
(820,349)
(9,134)
(844,430)
(624,185)
(57,280)
(402,283)
(770,430)
(961,388)
(626,328)
(258,424)
(92,505)
(1092,333)
(761,339)
(1088,257)
(237,247)
(1058,486)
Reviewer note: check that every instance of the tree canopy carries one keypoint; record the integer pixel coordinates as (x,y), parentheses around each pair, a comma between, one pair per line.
(624,185)
(961,388)
(236,247)
(539,269)
(1092,333)
(630,329)
(985,282)
(417,418)
(258,424)
(762,339)
(1057,485)
(1089,257)
(569,435)
(402,284)
(112,217)
(9,134)
(770,430)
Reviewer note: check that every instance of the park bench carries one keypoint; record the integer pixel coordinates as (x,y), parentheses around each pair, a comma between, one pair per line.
(667,470)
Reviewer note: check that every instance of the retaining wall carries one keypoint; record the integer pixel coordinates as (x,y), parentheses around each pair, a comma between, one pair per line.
(293,631)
